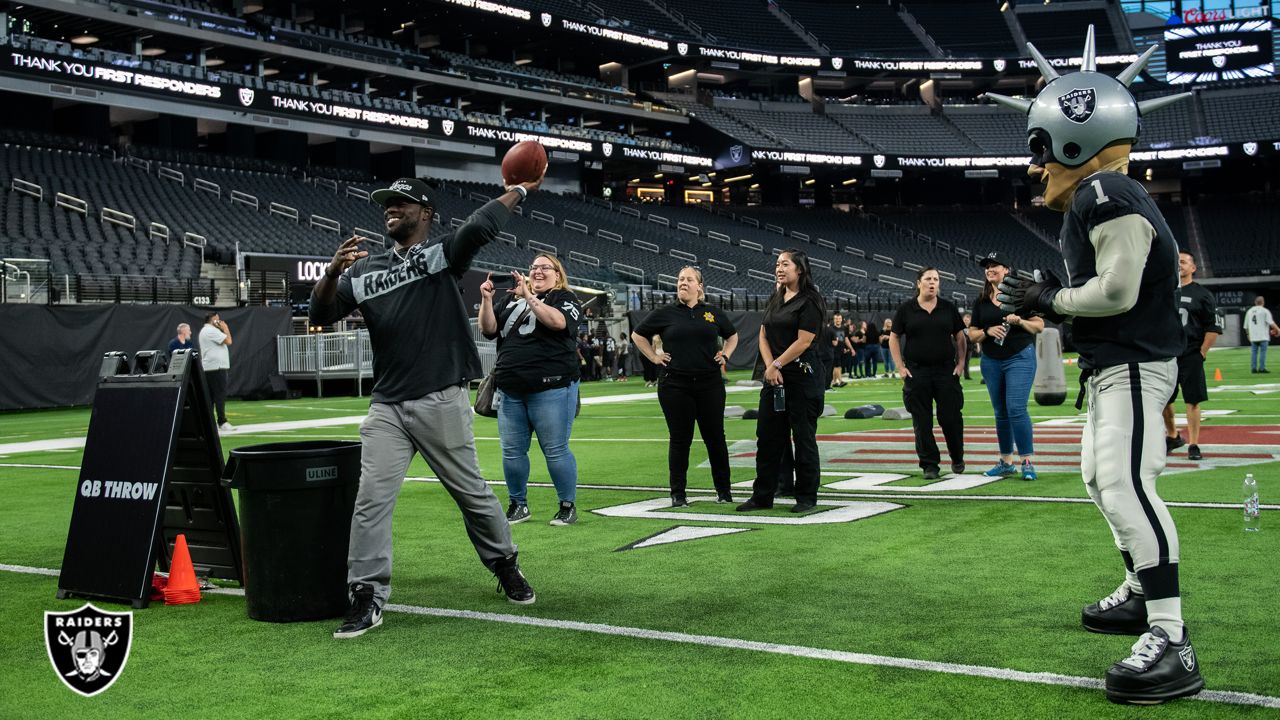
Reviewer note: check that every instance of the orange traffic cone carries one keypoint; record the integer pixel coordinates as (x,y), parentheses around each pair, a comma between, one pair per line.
(182,588)
(1217,373)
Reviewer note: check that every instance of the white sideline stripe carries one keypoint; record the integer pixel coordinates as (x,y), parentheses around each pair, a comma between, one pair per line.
(842,656)
(824,493)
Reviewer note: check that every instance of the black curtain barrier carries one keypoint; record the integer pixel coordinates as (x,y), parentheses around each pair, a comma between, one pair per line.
(52,354)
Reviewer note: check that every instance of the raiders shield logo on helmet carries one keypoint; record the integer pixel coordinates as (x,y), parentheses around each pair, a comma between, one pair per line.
(448,126)
(607,149)
(246,96)
(837,63)
(88,647)
(546,19)
(1078,105)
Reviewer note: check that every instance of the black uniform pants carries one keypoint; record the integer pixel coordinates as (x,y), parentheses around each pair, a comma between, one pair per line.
(927,385)
(689,398)
(799,422)
(217,381)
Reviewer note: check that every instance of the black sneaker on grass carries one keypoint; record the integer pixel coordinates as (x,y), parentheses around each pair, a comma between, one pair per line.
(512,582)
(363,615)
(518,513)
(1157,670)
(567,515)
(1173,443)
(723,496)
(1123,612)
(679,500)
(1193,453)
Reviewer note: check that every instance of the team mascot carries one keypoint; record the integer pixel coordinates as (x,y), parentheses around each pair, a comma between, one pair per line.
(1119,294)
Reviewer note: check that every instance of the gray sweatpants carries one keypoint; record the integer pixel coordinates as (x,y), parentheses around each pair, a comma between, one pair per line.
(438,425)
(1122,454)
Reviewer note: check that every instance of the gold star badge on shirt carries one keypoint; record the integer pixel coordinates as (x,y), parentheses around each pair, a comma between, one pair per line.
(708,317)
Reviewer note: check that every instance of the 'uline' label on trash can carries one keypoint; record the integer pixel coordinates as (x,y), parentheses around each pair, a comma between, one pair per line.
(322,473)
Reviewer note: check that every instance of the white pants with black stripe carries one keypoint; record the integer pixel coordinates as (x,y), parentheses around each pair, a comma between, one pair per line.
(1122,454)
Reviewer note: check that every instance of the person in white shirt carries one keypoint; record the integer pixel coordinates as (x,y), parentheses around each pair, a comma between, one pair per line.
(1260,327)
(215,358)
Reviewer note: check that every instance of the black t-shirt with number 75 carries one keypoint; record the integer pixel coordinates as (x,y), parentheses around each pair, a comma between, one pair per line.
(531,356)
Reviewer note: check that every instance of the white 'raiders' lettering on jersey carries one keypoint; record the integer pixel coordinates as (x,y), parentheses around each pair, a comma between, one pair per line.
(419,263)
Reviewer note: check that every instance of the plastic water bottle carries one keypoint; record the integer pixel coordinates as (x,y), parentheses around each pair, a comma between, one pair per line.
(1000,340)
(1252,521)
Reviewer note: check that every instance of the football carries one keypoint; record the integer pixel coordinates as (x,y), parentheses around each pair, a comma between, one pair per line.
(524,162)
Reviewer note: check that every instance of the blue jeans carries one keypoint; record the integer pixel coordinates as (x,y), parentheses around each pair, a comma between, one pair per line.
(549,414)
(1258,355)
(1009,385)
(889,367)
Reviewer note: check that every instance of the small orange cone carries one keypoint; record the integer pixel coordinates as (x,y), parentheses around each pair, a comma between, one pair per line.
(182,588)
(1217,373)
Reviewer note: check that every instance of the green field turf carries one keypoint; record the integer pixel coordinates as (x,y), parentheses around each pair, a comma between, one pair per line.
(957,604)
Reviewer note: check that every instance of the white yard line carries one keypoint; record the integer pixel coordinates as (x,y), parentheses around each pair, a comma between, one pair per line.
(800,651)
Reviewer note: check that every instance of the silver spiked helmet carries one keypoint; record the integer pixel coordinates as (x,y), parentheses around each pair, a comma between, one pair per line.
(1076,115)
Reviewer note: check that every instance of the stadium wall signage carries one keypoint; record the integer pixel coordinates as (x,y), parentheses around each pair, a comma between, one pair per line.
(1219,51)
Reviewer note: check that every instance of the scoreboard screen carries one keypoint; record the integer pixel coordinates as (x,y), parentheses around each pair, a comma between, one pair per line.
(1234,50)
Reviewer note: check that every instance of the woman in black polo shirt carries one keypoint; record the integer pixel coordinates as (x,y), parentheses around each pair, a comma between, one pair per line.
(689,384)
(791,399)
(1008,367)
(930,365)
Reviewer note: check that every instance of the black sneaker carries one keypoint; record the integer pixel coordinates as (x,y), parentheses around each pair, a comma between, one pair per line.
(751,505)
(1157,670)
(1123,612)
(1193,453)
(518,512)
(1173,443)
(723,496)
(567,515)
(512,582)
(958,467)
(803,507)
(679,500)
(931,474)
(363,615)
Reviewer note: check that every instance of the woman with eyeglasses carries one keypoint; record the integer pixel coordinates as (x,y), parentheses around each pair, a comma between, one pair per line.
(537,378)
(1009,368)
(689,386)
(791,399)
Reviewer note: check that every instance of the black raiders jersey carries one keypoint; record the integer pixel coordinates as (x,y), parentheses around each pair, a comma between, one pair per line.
(1199,314)
(1151,329)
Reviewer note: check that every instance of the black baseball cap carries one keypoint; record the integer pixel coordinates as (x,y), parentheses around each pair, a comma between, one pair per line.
(994,258)
(411,189)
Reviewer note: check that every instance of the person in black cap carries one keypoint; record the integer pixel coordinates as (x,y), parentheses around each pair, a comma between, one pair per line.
(1008,368)
(423,359)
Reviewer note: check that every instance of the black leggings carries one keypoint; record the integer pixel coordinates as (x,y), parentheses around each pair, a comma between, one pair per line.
(686,398)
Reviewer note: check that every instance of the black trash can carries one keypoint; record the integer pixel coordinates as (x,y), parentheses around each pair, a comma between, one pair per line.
(296,502)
